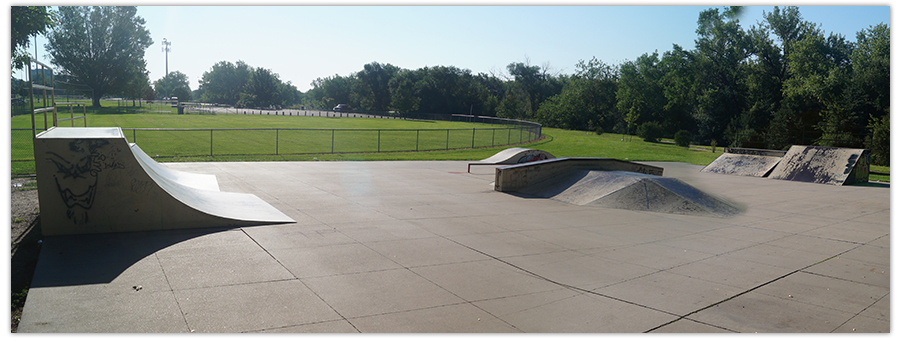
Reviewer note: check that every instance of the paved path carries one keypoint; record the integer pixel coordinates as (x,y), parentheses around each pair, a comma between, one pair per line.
(425,247)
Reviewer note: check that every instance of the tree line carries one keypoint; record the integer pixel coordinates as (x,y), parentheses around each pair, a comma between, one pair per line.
(778,83)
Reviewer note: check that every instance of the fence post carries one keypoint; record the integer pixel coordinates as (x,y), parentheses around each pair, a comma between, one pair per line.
(473,138)
(379,140)
(276,141)
(210,142)
(417,140)
(448,139)
(332,141)
(133,136)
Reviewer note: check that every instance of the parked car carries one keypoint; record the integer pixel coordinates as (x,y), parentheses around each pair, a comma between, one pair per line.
(342,107)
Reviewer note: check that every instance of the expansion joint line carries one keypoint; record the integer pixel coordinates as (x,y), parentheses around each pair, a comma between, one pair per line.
(567,286)
(749,290)
(169,284)
(301,281)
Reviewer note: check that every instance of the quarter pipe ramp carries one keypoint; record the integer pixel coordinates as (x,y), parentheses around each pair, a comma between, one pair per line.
(91,180)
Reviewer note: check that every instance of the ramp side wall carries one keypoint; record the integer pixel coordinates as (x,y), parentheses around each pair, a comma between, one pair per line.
(514,177)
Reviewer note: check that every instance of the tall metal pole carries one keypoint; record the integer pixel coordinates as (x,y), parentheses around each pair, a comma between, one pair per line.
(166,49)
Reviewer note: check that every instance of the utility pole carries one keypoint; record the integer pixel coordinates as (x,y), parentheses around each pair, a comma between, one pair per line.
(166,49)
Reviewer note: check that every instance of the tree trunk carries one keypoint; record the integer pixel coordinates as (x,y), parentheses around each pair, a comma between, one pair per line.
(95,101)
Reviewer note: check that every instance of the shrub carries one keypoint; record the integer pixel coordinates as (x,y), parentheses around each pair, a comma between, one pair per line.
(599,130)
(880,140)
(650,131)
(683,138)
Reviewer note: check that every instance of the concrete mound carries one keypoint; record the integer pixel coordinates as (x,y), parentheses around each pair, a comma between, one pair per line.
(631,191)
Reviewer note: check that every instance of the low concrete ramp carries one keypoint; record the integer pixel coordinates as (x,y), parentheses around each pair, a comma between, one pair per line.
(515,155)
(819,164)
(630,191)
(745,162)
(91,180)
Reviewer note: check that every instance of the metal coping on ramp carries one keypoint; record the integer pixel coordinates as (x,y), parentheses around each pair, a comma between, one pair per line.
(91,180)
(515,177)
(514,155)
(821,164)
(745,162)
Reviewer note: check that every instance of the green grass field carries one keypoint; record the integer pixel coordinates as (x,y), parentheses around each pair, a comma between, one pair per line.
(310,138)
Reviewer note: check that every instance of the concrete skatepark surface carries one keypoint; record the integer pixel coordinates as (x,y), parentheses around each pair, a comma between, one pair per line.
(424,247)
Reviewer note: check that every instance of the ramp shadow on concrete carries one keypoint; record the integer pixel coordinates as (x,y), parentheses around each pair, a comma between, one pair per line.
(72,260)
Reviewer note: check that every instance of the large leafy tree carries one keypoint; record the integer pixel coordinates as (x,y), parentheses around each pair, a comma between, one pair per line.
(262,90)
(722,47)
(27,21)
(101,47)
(640,94)
(329,91)
(372,90)
(872,67)
(403,92)
(224,82)
(531,85)
(872,75)
(174,84)
(679,82)
(138,88)
(586,102)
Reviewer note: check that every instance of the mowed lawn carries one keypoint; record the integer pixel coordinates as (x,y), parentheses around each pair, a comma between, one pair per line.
(310,138)
(224,136)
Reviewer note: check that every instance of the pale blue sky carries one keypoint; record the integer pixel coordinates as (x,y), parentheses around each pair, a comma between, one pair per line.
(302,43)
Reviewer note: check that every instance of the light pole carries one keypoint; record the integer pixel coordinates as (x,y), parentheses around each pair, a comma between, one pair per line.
(166,49)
